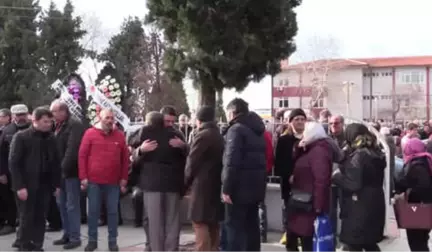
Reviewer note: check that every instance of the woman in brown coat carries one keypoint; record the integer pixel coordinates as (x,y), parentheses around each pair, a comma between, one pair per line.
(203,177)
(311,179)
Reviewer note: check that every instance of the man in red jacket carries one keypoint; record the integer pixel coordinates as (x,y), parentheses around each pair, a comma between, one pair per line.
(103,170)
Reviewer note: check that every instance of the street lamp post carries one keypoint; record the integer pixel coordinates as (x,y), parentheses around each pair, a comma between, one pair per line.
(347,89)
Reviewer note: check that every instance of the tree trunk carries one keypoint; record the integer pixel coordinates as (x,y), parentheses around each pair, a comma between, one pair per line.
(207,96)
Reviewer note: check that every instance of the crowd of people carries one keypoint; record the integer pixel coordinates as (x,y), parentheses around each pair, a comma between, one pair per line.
(53,162)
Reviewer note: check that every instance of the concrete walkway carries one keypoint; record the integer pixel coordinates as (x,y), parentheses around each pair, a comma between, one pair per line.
(132,239)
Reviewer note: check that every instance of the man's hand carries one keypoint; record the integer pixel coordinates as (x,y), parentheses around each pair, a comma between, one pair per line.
(148,146)
(176,142)
(397,197)
(336,171)
(57,192)
(3,180)
(22,194)
(123,184)
(226,198)
(84,184)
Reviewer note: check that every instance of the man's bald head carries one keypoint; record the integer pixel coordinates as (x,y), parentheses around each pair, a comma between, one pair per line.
(336,124)
(106,117)
(60,110)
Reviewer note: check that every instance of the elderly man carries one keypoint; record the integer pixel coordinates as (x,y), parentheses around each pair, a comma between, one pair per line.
(160,156)
(336,123)
(68,134)
(7,197)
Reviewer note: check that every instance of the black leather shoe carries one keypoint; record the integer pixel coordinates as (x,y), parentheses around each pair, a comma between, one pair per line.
(72,245)
(16,244)
(113,247)
(91,246)
(61,241)
(53,229)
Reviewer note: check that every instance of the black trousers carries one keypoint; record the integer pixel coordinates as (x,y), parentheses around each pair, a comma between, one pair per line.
(418,239)
(364,247)
(294,241)
(53,217)
(32,215)
(8,207)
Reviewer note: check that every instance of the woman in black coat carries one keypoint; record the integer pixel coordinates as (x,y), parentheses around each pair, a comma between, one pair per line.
(416,183)
(361,178)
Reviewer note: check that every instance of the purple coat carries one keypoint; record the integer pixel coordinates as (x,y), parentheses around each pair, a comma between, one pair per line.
(312,173)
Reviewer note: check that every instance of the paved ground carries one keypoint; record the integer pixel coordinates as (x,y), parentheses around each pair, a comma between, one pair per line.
(132,239)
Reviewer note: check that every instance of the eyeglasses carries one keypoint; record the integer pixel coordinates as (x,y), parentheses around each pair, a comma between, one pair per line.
(334,123)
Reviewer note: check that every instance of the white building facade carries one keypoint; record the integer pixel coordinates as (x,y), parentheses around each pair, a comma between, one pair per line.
(379,88)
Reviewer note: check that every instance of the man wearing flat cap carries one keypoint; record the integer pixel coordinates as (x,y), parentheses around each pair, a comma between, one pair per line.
(7,196)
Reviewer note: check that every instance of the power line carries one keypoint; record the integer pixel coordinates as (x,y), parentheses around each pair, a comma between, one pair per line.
(16,8)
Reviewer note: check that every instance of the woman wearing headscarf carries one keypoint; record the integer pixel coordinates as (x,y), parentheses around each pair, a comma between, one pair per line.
(416,184)
(310,184)
(361,178)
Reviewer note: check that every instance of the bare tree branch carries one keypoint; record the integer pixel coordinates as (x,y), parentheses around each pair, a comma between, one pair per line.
(320,53)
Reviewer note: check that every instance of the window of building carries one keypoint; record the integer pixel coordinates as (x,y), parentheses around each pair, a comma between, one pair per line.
(280,83)
(286,82)
(283,103)
(414,77)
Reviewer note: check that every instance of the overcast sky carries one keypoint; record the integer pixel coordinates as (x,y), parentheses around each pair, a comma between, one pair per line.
(357,28)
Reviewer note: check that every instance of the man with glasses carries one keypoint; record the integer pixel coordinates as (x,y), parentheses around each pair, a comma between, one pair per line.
(336,123)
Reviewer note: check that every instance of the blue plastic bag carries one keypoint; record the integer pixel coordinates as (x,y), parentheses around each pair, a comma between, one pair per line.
(323,239)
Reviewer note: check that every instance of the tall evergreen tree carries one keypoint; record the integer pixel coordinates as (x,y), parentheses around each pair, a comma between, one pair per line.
(121,53)
(59,47)
(226,44)
(18,49)
(220,111)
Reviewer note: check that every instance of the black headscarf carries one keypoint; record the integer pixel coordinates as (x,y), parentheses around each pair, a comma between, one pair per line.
(358,135)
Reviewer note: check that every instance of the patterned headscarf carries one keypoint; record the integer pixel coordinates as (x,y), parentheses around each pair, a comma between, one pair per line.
(358,136)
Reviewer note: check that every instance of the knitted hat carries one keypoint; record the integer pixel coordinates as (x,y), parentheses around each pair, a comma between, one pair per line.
(206,114)
(296,112)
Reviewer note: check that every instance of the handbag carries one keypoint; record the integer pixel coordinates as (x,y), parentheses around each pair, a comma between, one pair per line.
(300,201)
(412,215)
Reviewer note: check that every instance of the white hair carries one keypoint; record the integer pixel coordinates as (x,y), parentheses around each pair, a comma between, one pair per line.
(385,131)
(313,131)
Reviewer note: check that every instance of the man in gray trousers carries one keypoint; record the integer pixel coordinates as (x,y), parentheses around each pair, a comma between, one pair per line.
(161,157)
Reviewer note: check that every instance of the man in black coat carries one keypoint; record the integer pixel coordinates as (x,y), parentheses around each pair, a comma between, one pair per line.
(7,197)
(243,177)
(68,134)
(35,169)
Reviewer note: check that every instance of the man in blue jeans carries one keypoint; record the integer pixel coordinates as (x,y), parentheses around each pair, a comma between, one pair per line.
(243,177)
(103,162)
(68,133)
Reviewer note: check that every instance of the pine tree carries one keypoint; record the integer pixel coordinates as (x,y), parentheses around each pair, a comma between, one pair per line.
(59,46)
(18,50)
(121,53)
(226,44)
